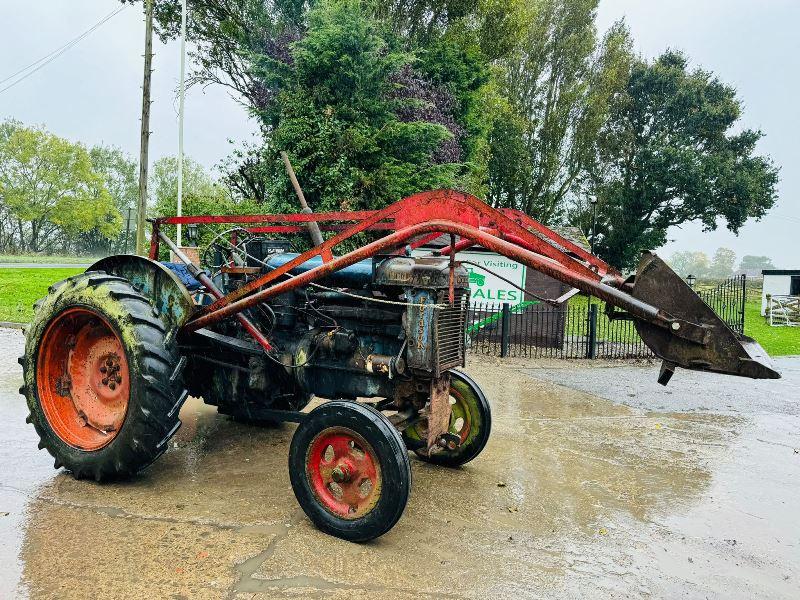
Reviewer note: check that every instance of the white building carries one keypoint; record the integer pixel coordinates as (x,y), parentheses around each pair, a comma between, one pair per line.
(779,282)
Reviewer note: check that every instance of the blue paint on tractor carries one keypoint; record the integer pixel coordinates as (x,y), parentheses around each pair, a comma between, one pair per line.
(183,274)
(356,276)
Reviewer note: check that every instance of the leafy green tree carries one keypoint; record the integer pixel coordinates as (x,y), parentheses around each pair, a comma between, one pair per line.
(671,152)
(490,28)
(224,34)
(201,196)
(51,191)
(121,178)
(120,175)
(442,79)
(246,174)
(337,117)
(521,102)
(228,33)
(722,263)
(687,263)
(560,82)
(7,221)
(753,265)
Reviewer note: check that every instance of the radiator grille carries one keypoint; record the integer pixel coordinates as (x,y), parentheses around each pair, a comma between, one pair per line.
(450,326)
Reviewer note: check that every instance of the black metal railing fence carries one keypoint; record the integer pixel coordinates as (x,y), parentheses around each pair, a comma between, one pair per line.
(580,329)
(728,300)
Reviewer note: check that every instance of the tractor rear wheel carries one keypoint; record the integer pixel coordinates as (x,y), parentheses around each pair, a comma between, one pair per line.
(470,419)
(102,377)
(350,470)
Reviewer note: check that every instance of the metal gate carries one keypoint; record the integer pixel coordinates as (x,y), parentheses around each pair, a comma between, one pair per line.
(728,299)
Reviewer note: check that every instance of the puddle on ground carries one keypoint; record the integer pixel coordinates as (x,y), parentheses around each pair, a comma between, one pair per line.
(570,490)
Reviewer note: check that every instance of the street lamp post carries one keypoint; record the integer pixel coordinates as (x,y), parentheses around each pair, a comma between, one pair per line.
(181,104)
(591,314)
(691,279)
(128,228)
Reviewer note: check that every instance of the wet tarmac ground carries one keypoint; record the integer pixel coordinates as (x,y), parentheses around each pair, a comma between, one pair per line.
(597,483)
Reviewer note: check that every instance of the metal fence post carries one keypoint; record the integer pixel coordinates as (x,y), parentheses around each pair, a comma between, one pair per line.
(744,301)
(505,326)
(591,350)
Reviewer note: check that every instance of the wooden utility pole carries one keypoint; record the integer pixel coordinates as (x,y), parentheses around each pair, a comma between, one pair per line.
(141,209)
(311,226)
(128,229)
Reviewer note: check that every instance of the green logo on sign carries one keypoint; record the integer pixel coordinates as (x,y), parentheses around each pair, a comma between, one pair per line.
(477,278)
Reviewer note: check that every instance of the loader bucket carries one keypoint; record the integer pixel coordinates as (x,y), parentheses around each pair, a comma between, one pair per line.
(725,351)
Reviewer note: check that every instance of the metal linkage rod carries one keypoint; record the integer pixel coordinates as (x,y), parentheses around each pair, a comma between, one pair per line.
(203,278)
(419,209)
(530,223)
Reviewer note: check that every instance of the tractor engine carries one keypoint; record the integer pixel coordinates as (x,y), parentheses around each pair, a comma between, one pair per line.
(380,328)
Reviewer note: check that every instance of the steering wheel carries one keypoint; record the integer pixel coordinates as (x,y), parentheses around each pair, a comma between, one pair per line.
(232,246)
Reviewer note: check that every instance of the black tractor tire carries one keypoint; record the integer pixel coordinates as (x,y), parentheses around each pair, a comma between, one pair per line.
(372,437)
(155,391)
(473,407)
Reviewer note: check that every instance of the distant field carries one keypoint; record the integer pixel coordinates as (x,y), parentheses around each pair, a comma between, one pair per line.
(20,288)
(38,258)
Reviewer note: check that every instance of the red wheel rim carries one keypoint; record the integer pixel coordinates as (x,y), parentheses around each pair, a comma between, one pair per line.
(82,379)
(344,472)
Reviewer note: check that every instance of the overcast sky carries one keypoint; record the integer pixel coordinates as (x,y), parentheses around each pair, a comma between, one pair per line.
(92,92)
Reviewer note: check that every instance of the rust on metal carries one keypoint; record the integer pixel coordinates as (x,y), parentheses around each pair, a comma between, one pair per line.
(344,473)
(445,205)
(203,278)
(438,410)
(240,300)
(84,388)
(531,223)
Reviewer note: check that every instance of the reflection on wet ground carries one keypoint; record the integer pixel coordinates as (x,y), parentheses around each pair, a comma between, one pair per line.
(576,493)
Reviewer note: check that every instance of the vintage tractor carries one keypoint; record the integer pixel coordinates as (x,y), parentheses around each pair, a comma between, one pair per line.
(257,330)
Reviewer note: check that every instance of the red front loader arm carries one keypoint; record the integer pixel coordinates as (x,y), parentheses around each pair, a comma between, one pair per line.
(672,320)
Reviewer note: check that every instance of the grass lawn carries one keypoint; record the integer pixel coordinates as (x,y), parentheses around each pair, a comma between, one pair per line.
(607,331)
(777,341)
(20,288)
(39,258)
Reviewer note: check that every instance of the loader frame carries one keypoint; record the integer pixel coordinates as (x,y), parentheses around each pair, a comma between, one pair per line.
(413,222)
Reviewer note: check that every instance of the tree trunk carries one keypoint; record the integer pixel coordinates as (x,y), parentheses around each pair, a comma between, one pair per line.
(21,235)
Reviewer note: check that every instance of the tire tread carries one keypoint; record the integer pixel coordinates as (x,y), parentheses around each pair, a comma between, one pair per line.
(153,418)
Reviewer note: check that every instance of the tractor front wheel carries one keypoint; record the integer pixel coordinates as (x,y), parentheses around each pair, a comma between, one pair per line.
(350,470)
(102,377)
(470,420)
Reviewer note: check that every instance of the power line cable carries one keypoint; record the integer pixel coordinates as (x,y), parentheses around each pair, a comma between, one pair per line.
(66,46)
(48,58)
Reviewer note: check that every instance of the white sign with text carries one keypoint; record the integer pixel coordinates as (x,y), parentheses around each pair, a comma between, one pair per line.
(486,288)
